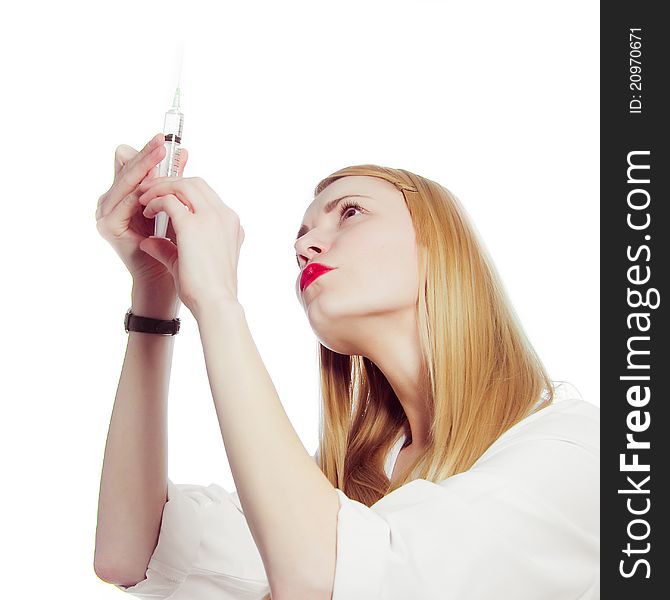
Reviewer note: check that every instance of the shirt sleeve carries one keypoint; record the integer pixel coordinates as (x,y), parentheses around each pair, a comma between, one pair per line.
(523,523)
(205,549)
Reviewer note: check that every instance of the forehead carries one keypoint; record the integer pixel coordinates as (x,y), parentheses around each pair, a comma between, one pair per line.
(377,188)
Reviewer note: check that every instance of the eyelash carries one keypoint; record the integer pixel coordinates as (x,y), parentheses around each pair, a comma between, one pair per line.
(346,206)
(343,209)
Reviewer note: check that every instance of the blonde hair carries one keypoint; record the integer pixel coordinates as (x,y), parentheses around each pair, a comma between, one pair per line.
(482,374)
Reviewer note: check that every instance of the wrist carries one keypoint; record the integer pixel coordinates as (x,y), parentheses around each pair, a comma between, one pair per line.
(155,302)
(215,307)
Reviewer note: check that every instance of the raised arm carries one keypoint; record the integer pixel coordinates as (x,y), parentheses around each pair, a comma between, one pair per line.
(133,484)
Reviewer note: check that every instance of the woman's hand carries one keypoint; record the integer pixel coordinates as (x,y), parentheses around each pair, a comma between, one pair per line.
(119,217)
(204,261)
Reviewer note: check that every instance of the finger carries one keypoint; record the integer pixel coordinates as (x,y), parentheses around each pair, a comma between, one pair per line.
(183,159)
(186,190)
(124,154)
(123,192)
(152,174)
(131,165)
(175,209)
(154,171)
(171,233)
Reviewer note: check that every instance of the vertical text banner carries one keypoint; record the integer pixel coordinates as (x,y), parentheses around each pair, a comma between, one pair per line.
(635,259)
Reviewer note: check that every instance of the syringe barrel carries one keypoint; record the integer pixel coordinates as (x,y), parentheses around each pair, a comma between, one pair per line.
(174,123)
(170,166)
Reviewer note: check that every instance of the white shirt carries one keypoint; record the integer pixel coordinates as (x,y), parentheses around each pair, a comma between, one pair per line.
(523,523)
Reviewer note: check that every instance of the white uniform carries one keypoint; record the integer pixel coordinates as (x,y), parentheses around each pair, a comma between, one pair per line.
(522,524)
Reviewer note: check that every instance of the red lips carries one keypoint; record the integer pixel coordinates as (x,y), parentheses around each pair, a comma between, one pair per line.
(311,272)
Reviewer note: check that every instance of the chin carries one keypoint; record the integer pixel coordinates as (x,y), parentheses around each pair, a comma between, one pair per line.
(328,332)
(338,346)
(336,329)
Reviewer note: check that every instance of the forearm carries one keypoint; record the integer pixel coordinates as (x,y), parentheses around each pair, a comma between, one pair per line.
(134,474)
(289,504)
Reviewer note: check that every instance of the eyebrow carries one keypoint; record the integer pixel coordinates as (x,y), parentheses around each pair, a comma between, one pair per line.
(329,207)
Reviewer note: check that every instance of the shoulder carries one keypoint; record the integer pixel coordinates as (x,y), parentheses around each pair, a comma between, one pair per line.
(528,510)
(569,419)
(551,459)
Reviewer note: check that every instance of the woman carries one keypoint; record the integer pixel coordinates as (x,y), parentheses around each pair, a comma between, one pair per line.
(449,464)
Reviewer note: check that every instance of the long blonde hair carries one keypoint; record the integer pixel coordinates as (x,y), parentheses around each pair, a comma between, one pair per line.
(483,376)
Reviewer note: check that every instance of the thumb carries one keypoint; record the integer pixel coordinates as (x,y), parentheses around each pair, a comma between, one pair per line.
(162,249)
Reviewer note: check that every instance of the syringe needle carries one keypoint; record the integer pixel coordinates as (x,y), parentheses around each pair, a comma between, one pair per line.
(181,63)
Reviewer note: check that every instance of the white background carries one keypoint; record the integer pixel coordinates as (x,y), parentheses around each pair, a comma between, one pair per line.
(499,102)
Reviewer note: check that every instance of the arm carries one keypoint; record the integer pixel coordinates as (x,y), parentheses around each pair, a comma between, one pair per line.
(134,474)
(290,505)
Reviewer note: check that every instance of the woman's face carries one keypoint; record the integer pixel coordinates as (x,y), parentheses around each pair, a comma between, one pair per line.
(371,248)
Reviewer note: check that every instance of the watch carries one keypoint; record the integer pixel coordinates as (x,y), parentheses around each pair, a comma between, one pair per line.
(149,325)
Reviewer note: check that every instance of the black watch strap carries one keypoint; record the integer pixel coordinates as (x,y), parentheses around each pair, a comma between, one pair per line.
(149,325)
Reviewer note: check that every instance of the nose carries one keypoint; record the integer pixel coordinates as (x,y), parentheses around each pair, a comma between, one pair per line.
(306,248)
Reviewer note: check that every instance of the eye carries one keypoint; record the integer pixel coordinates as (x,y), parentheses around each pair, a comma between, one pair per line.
(346,206)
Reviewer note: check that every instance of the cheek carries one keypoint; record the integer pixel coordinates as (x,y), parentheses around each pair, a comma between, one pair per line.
(391,272)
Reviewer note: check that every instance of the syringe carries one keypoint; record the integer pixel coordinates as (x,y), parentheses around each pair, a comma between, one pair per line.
(170,165)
